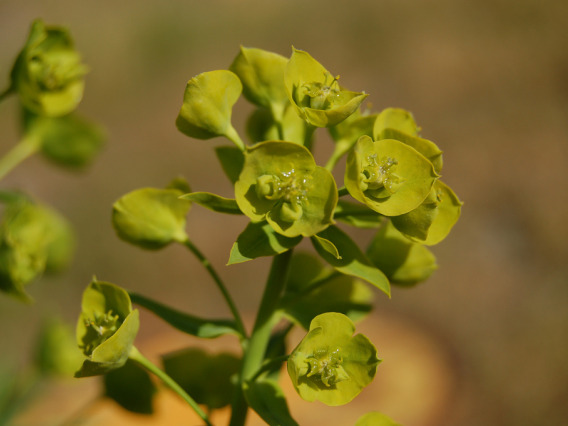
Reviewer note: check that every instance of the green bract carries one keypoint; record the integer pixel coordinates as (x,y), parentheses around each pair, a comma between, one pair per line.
(69,140)
(330,364)
(262,75)
(315,92)
(396,119)
(106,328)
(403,261)
(207,106)
(375,418)
(281,183)
(33,238)
(48,73)
(432,221)
(389,176)
(151,218)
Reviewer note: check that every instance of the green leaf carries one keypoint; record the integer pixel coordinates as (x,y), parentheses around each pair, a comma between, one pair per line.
(330,364)
(326,245)
(403,261)
(151,218)
(353,262)
(48,74)
(232,161)
(432,221)
(131,388)
(207,105)
(357,215)
(315,93)
(261,126)
(374,418)
(282,184)
(258,240)
(388,176)
(206,377)
(199,327)
(320,290)
(397,119)
(262,75)
(106,328)
(269,402)
(213,202)
(425,147)
(69,141)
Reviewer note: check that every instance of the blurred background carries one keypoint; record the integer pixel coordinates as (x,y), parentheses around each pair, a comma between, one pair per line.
(485,340)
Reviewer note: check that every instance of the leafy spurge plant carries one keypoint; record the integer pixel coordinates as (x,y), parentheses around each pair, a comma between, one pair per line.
(392,175)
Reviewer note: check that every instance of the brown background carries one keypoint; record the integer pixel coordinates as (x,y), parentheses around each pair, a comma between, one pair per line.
(485,340)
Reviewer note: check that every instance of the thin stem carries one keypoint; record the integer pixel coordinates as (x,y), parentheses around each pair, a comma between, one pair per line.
(308,136)
(135,355)
(234,137)
(207,265)
(266,319)
(24,149)
(342,191)
(268,364)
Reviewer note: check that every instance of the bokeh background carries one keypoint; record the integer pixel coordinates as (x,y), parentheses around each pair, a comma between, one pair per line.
(485,340)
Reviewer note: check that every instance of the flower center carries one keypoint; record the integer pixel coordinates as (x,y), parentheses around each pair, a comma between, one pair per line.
(326,367)
(103,327)
(378,177)
(323,95)
(288,189)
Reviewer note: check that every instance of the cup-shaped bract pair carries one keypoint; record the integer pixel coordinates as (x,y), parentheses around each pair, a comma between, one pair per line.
(262,76)
(152,218)
(106,328)
(330,364)
(432,220)
(281,183)
(33,239)
(48,73)
(208,105)
(388,176)
(316,94)
(70,140)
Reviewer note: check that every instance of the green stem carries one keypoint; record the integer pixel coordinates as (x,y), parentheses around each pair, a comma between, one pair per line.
(269,364)
(207,265)
(135,355)
(234,137)
(266,319)
(308,136)
(24,149)
(342,191)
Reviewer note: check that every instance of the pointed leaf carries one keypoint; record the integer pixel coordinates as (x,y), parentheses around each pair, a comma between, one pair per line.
(258,240)
(268,400)
(213,202)
(353,262)
(199,327)
(232,160)
(332,292)
(326,245)
(131,388)
(204,376)
(358,215)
